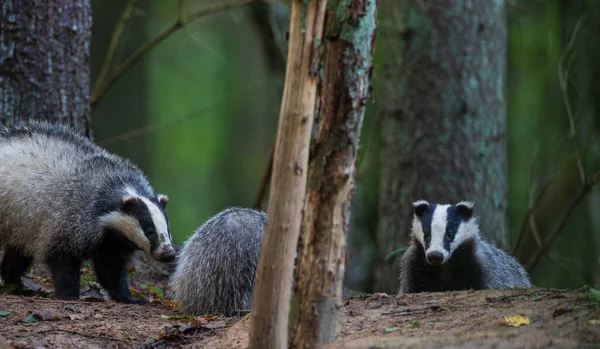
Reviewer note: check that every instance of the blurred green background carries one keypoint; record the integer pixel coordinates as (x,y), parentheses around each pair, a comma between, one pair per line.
(211,94)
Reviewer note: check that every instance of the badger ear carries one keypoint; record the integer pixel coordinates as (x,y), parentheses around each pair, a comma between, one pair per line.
(465,209)
(419,207)
(129,201)
(163,199)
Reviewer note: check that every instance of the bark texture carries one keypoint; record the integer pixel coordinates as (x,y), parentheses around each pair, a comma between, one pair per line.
(273,285)
(322,245)
(443,109)
(44,61)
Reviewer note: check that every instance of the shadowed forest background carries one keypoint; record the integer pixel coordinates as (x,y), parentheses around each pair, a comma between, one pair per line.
(199,114)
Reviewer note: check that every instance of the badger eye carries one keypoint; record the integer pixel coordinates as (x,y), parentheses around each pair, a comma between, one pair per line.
(151,232)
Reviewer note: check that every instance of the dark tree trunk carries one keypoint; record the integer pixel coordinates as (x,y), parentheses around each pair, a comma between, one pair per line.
(442,100)
(322,245)
(44,61)
(263,19)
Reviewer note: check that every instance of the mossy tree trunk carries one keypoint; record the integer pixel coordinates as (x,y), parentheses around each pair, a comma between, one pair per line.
(443,110)
(44,61)
(321,256)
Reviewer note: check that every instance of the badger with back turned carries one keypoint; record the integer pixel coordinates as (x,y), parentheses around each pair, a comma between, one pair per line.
(447,253)
(217,265)
(63,200)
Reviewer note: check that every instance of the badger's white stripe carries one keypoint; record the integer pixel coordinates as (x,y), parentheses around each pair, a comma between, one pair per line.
(160,223)
(417,230)
(420,202)
(466,230)
(128,226)
(438,230)
(467,204)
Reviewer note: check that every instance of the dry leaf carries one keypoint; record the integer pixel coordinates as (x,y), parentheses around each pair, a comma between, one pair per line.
(76,316)
(172,304)
(135,293)
(47,315)
(516,320)
(198,321)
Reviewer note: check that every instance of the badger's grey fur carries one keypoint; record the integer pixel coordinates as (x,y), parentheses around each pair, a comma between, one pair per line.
(447,253)
(217,265)
(63,199)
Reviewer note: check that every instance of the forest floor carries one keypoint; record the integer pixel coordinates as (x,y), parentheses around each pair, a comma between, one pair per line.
(468,319)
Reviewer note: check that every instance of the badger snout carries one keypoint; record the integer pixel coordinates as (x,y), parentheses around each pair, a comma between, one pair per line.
(165,254)
(435,257)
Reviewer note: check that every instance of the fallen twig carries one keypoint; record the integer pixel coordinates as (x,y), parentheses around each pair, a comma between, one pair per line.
(410,311)
(82,334)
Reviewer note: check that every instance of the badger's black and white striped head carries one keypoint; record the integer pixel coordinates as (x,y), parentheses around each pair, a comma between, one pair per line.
(143,221)
(441,229)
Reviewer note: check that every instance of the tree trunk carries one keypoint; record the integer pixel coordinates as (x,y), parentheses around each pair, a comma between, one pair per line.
(322,246)
(44,61)
(444,119)
(269,319)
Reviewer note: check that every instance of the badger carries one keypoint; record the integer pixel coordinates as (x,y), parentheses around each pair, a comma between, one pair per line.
(216,267)
(63,200)
(447,253)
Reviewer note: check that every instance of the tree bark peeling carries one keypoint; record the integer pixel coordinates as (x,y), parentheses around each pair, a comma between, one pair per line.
(45,61)
(270,309)
(444,117)
(322,245)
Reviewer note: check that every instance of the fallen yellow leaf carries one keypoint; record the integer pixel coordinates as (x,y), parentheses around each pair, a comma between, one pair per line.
(594,322)
(516,320)
(172,304)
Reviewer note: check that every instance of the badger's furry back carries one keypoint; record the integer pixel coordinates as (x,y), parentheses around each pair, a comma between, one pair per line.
(50,177)
(217,265)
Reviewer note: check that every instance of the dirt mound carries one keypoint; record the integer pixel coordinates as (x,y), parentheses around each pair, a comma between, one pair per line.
(468,319)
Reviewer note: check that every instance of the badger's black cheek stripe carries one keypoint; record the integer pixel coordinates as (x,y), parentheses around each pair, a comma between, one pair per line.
(453,222)
(426,224)
(141,213)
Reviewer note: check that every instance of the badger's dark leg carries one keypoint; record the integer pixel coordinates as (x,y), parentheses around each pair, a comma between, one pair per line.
(110,264)
(65,269)
(13,266)
(111,271)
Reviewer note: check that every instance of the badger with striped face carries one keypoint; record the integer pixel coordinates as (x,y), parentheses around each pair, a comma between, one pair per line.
(447,253)
(63,199)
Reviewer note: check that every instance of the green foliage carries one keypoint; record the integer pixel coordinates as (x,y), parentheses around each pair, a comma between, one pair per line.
(159,292)
(392,329)
(593,294)
(212,73)
(8,288)
(30,319)
(396,251)
(414,324)
(85,278)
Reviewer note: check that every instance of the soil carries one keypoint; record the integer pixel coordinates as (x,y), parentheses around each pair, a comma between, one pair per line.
(467,319)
